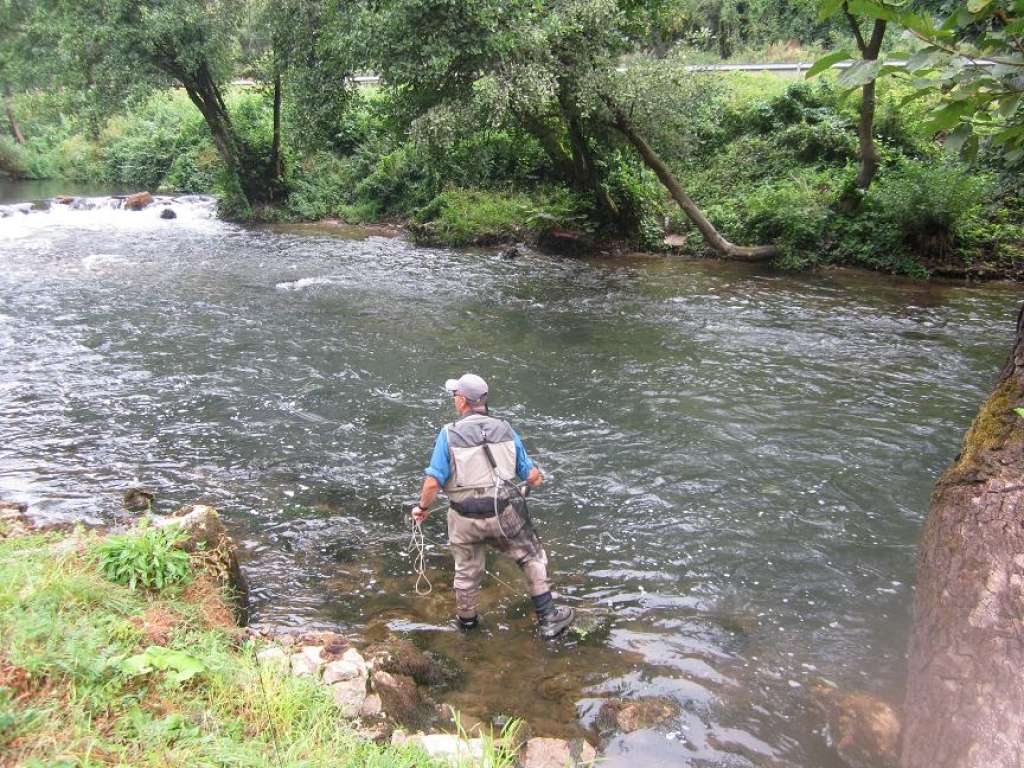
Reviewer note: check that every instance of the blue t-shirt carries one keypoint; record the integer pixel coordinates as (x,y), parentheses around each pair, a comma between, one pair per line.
(441,462)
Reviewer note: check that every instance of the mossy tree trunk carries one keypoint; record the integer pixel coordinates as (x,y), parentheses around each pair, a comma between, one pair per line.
(965,687)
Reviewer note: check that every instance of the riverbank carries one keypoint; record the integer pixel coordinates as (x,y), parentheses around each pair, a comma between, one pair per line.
(93,671)
(768,160)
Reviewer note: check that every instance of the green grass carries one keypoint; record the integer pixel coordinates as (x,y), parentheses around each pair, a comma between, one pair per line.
(67,697)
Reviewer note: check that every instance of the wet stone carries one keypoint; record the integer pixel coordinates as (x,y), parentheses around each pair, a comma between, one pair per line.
(627,716)
(863,729)
(168,213)
(401,657)
(543,752)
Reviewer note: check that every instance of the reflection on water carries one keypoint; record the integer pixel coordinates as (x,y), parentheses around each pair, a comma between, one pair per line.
(739,460)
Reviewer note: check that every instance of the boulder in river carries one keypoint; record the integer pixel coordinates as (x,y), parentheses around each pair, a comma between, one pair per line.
(863,729)
(63,200)
(138,500)
(168,213)
(541,752)
(137,202)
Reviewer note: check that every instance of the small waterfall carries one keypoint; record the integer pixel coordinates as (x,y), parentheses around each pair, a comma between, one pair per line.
(155,206)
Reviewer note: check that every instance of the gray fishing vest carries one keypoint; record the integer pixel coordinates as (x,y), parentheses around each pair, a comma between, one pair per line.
(471,487)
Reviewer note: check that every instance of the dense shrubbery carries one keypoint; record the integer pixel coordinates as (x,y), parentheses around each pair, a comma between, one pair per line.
(768,160)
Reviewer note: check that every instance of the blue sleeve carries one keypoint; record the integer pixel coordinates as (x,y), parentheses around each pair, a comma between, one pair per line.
(523,462)
(440,463)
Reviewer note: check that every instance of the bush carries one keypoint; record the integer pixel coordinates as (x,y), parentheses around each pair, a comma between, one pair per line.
(149,558)
(13,157)
(793,214)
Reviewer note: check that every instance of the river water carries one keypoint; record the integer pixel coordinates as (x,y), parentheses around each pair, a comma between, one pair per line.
(739,460)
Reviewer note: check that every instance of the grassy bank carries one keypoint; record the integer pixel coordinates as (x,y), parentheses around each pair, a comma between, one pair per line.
(768,158)
(80,683)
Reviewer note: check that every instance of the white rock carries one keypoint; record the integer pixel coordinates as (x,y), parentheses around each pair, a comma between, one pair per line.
(343,669)
(273,659)
(372,707)
(445,746)
(556,753)
(304,666)
(349,695)
(352,655)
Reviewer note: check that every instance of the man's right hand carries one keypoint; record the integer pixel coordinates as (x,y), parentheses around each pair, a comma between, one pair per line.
(419,514)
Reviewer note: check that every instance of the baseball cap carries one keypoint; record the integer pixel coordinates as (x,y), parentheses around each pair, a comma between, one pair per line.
(471,386)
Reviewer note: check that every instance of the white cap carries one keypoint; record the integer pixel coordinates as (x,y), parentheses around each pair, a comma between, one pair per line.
(469,385)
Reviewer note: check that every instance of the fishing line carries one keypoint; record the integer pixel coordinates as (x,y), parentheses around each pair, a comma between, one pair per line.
(417,544)
(266,704)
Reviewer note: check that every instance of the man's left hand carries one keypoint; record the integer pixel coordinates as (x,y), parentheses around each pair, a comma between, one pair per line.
(419,514)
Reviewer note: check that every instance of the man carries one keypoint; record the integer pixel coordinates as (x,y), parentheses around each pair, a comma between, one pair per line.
(477,460)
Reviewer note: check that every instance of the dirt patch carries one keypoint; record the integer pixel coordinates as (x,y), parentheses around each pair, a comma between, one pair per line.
(216,611)
(19,682)
(156,624)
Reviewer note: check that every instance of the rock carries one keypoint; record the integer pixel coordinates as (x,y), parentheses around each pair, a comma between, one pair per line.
(403,702)
(543,752)
(343,669)
(138,500)
(307,662)
(274,659)
(863,729)
(13,511)
(400,657)
(564,242)
(628,715)
(350,695)
(168,213)
(372,707)
(205,534)
(137,202)
(448,747)
(510,253)
(63,200)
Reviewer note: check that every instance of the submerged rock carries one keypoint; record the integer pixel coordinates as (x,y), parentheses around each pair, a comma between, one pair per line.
(403,702)
(138,499)
(628,715)
(863,729)
(401,657)
(543,752)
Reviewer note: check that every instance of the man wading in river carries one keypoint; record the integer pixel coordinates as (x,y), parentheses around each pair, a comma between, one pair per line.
(477,461)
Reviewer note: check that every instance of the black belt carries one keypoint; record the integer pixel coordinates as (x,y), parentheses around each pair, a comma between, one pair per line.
(480,508)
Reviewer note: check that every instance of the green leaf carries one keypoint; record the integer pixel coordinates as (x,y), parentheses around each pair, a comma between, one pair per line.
(958,136)
(826,61)
(945,118)
(976,6)
(860,73)
(1019,412)
(828,9)
(917,23)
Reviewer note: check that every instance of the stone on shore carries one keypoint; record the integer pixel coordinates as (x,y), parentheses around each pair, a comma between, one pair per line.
(138,201)
(274,659)
(445,746)
(541,752)
(307,662)
(350,666)
(403,702)
(372,707)
(349,696)
(13,511)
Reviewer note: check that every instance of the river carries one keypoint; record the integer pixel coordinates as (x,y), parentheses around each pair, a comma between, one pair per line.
(739,460)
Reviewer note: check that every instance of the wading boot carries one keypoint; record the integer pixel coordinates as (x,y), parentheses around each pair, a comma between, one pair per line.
(467,624)
(552,620)
(555,621)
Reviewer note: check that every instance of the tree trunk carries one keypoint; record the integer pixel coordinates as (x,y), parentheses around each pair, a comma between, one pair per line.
(15,129)
(965,688)
(711,235)
(539,128)
(276,161)
(869,49)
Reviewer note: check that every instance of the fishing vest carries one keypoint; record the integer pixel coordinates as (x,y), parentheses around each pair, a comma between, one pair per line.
(470,488)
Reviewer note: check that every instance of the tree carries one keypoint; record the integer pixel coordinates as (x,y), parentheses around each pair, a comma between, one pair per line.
(157,42)
(965,695)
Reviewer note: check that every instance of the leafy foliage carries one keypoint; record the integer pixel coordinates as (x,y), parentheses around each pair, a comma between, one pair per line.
(178,666)
(148,558)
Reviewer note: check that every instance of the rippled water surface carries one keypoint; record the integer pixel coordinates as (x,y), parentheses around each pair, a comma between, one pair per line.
(739,461)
